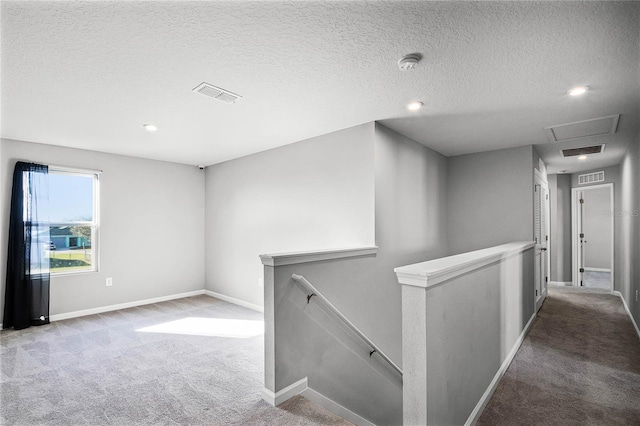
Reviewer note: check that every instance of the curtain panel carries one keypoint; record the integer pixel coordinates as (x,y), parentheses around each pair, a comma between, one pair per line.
(27,282)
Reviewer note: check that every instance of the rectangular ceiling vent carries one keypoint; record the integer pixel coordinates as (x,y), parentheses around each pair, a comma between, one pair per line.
(585,150)
(217,93)
(582,129)
(591,178)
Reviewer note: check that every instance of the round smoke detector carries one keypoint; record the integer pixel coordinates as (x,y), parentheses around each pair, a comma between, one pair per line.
(409,62)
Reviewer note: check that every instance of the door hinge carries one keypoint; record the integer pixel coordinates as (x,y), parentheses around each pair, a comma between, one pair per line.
(581,235)
(536,292)
(547,196)
(581,200)
(546,279)
(546,238)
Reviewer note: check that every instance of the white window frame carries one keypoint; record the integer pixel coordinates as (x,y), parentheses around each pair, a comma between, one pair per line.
(95,224)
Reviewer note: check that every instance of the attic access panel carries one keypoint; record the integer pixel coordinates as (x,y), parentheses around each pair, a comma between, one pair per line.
(582,129)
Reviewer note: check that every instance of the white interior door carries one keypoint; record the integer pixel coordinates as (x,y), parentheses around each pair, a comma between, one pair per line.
(541,235)
(593,237)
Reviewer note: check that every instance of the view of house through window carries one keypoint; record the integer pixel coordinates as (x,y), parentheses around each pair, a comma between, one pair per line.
(73,221)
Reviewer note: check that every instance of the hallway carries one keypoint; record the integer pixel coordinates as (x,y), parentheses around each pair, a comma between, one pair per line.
(579,365)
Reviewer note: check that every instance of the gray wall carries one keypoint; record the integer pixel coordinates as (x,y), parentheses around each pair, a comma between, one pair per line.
(490,199)
(309,342)
(151,217)
(628,239)
(411,222)
(560,247)
(410,226)
(314,194)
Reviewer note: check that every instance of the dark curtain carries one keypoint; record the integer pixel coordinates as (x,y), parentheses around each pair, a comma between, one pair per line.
(26,300)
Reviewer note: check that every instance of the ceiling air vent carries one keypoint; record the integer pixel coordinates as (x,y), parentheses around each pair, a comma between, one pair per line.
(217,93)
(582,129)
(591,178)
(572,152)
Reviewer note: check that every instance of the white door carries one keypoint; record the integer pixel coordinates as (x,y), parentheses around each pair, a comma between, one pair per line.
(541,235)
(593,237)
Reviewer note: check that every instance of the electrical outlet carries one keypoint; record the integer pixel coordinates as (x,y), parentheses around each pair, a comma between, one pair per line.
(260,281)
(109,282)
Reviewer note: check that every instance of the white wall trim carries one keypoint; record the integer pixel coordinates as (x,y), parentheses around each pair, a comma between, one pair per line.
(561,283)
(234,300)
(126,305)
(484,400)
(335,408)
(279,259)
(101,309)
(432,272)
(626,308)
(285,394)
(301,387)
(597,269)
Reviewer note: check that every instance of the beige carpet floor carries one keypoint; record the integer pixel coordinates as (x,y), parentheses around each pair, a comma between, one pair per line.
(192,361)
(579,365)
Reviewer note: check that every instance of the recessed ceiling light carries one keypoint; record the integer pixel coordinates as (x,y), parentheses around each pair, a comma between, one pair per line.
(582,157)
(414,105)
(150,127)
(577,91)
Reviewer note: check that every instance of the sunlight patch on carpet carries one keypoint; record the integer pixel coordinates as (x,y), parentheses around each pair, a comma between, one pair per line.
(215,327)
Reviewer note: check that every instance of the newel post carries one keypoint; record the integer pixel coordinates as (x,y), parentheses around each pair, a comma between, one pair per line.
(414,348)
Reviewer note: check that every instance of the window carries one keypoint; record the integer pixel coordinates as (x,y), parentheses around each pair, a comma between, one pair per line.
(73,221)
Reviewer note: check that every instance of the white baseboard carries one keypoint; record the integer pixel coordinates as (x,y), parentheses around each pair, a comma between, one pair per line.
(626,308)
(301,387)
(234,300)
(484,400)
(101,309)
(109,308)
(561,283)
(597,269)
(283,395)
(335,408)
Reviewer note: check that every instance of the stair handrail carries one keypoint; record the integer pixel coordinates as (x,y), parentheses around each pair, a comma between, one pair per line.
(315,293)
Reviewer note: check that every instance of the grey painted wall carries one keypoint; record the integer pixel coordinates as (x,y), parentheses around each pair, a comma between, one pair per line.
(411,222)
(310,195)
(628,239)
(158,205)
(490,199)
(560,217)
(309,342)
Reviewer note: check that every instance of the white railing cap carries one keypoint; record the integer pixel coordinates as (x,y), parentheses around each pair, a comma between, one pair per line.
(432,272)
(280,259)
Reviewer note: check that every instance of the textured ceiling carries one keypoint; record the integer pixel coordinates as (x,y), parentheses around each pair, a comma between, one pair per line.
(493,75)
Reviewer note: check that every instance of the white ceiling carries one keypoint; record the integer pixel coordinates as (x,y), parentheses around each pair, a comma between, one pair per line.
(493,75)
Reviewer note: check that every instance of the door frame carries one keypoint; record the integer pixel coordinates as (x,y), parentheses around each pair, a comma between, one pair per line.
(575,225)
(544,245)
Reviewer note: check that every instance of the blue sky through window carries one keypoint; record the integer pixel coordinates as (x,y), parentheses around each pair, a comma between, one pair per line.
(70,197)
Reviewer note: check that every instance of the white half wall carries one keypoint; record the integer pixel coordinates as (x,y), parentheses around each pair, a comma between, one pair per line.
(151,238)
(311,195)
